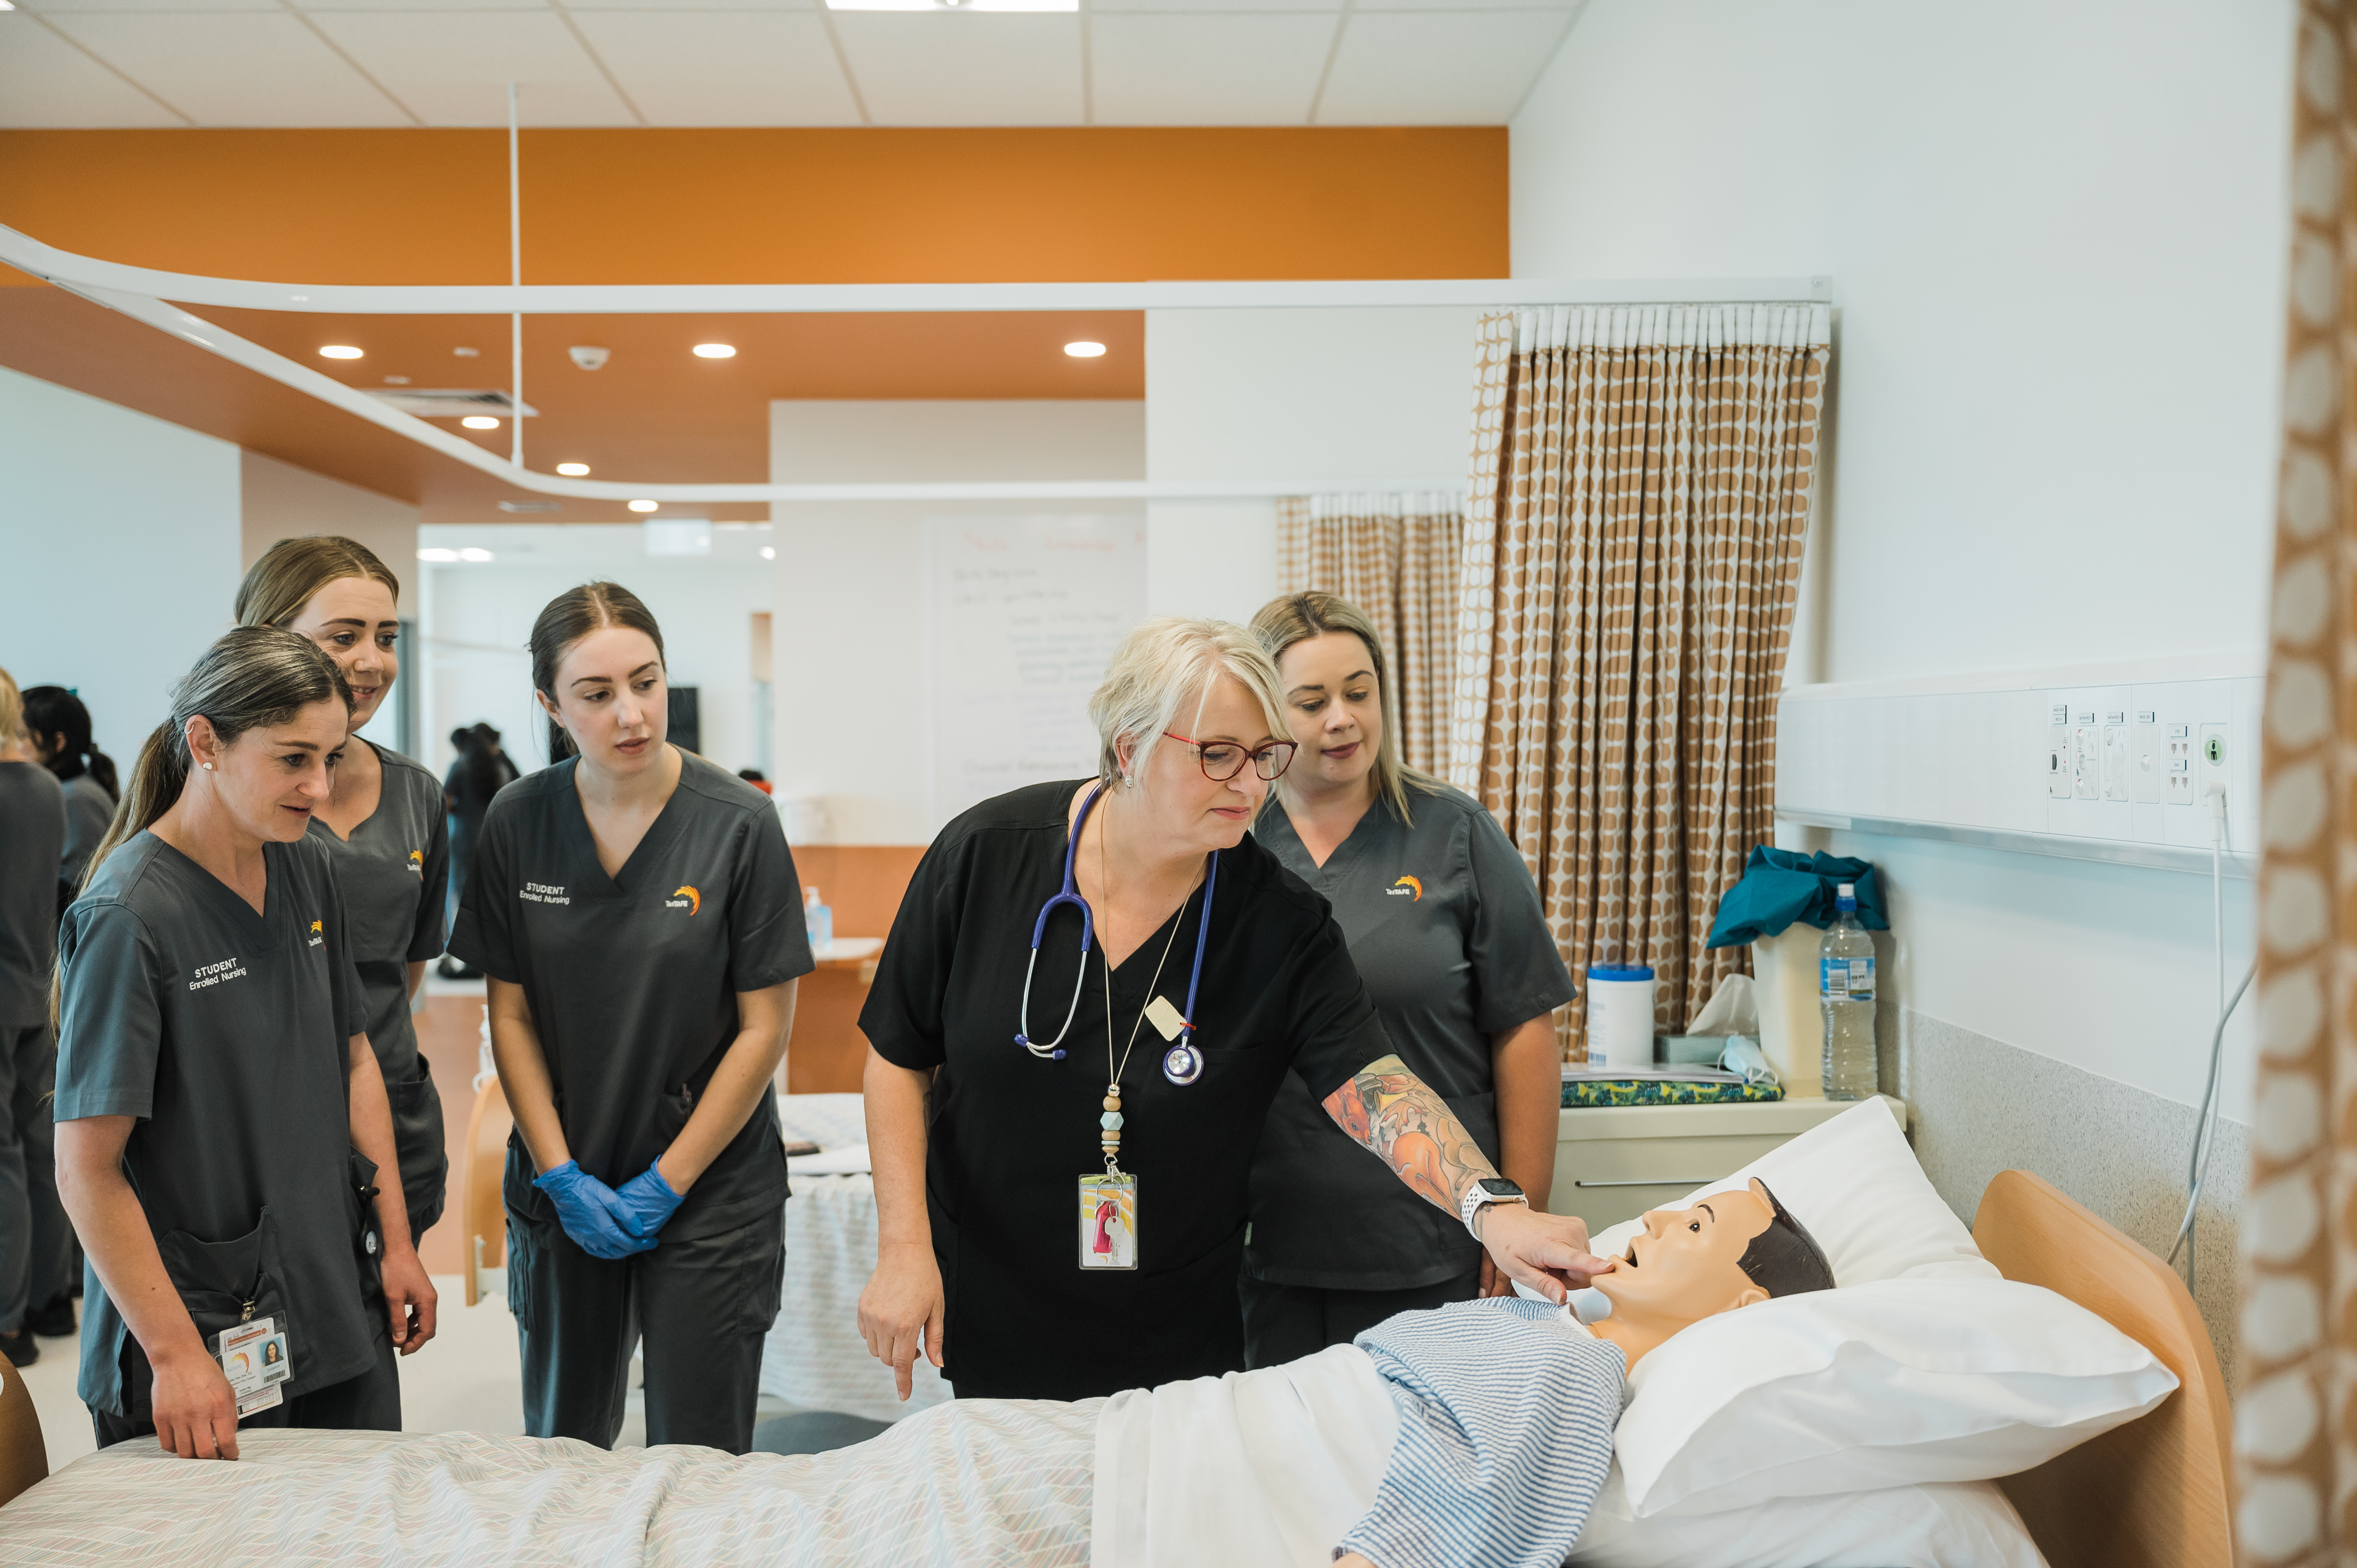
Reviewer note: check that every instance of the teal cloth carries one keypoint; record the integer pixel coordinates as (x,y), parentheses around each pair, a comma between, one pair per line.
(1779,886)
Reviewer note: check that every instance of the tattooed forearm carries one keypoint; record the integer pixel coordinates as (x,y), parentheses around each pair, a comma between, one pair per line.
(1389,1110)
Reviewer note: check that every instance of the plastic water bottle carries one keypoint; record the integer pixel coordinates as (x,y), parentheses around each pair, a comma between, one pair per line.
(820,920)
(1846,992)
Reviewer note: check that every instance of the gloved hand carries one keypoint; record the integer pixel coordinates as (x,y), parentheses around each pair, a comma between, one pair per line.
(645,1201)
(589,1212)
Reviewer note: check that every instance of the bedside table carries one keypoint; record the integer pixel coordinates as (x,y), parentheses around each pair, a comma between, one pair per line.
(1614,1162)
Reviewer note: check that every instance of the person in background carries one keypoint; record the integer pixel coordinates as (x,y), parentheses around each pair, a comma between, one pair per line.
(59,727)
(637,912)
(380,824)
(33,1249)
(221,1117)
(481,771)
(753,776)
(1444,923)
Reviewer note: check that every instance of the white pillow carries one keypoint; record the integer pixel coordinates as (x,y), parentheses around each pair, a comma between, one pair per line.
(1895,1382)
(1967,1526)
(1853,1182)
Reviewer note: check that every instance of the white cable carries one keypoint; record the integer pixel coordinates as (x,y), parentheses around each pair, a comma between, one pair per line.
(2205,1120)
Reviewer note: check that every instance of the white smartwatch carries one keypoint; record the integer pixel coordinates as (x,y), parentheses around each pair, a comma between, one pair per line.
(1485,1192)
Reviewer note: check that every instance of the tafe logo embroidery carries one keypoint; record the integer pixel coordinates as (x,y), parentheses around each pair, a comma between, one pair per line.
(686,898)
(317,936)
(417,860)
(1408,884)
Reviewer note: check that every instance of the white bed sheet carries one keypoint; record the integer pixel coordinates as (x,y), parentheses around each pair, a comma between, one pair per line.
(985,1483)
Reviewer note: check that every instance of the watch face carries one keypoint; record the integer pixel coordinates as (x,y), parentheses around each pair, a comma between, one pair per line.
(1500,1188)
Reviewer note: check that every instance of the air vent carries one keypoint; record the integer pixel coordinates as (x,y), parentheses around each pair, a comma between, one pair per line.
(532,506)
(448,403)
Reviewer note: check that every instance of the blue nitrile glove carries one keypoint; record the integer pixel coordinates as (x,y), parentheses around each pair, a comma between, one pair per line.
(589,1212)
(645,1201)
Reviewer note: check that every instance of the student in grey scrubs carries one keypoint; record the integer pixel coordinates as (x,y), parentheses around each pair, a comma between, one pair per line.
(221,1118)
(1444,924)
(636,911)
(33,1246)
(381,825)
(59,727)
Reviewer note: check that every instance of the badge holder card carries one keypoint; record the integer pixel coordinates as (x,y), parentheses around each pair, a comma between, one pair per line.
(254,1357)
(1108,1221)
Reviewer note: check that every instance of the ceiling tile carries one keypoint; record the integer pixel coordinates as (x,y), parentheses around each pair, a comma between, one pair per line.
(453,66)
(233,67)
(1463,68)
(413,6)
(1232,69)
(1457,6)
(1214,7)
(724,67)
(578,6)
(47,84)
(56,7)
(954,68)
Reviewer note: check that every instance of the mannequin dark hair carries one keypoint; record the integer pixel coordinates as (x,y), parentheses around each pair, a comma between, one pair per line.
(565,620)
(51,712)
(1784,1259)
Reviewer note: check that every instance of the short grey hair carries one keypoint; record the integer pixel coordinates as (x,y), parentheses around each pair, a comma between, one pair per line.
(1158,667)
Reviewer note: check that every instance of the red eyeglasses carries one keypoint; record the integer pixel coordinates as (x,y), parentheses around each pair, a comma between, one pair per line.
(1224,760)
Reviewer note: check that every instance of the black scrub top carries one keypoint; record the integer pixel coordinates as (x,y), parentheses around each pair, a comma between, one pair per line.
(89,810)
(1445,922)
(632,980)
(226,1033)
(393,870)
(32,838)
(1011,1134)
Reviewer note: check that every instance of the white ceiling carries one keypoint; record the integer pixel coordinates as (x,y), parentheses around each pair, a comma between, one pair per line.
(107,63)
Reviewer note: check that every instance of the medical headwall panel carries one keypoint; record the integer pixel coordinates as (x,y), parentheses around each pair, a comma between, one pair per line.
(2115,762)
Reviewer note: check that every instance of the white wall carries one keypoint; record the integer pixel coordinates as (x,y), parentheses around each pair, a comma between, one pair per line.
(119,550)
(283,502)
(2056,236)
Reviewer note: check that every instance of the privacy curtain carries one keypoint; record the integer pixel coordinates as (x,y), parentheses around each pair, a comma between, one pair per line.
(1641,490)
(1395,557)
(2293,1420)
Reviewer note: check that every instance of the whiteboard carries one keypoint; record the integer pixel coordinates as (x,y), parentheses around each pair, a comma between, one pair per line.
(1024,613)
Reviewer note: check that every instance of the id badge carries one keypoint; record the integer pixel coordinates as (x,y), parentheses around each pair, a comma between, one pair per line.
(1108,1222)
(254,1357)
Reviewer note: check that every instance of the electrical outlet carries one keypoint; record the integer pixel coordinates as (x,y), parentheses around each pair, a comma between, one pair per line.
(2209,757)
(2058,751)
(2086,765)
(2148,761)
(2115,760)
(2178,785)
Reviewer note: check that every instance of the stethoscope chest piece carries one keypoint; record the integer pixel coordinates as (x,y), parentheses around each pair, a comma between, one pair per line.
(1182,1063)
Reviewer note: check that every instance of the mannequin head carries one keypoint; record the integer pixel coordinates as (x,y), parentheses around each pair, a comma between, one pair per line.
(1731,1250)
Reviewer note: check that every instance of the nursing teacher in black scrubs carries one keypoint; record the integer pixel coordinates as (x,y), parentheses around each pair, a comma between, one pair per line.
(1082,1014)
(637,912)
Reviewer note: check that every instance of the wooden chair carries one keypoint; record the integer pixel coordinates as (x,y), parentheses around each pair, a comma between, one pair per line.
(24,1457)
(484,1239)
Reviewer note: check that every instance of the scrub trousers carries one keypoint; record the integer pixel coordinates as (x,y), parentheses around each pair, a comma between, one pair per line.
(702,1304)
(35,1242)
(1285,1323)
(370,1402)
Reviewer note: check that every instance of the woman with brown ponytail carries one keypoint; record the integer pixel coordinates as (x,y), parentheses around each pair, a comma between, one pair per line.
(220,1118)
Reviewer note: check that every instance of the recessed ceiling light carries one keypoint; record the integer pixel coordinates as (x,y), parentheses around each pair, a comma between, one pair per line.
(949,6)
(436,553)
(715,350)
(396,381)
(768,552)
(644,506)
(1086,350)
(479,422)
(473,553)
(574,470)
(340,352)
(466,353)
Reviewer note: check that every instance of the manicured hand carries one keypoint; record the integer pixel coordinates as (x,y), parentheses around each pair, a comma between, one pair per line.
(646,1201)
(1548,1253)
(589,1212)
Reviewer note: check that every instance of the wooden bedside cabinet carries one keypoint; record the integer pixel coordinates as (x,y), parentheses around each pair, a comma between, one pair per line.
(1614,1162)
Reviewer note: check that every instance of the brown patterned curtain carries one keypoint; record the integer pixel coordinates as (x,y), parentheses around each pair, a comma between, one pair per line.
(1395,557)
(1641,490)
(2297,1446)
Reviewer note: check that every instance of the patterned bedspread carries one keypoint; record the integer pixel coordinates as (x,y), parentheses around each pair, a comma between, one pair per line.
(990,1483)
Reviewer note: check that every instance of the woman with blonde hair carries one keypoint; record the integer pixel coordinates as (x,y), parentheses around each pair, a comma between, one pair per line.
(381,825)
(35,1251)
(1445,922)
(1128,910)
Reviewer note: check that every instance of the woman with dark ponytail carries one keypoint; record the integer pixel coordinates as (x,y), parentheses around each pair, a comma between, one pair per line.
(220,1118)
(35,1245)
(59,727)
(637,912)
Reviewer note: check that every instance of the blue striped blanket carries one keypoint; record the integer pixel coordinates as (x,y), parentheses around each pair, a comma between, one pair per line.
(1505,1434)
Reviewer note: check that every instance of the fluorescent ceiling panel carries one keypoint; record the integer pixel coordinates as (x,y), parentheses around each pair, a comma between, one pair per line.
(1213,8)
(1232,69)
(724,67)
(579,6)
(453,66)
(957,69)
(958,5)
(1471,6)
(233,67)
(421,6)
(1464,68)
(47,84)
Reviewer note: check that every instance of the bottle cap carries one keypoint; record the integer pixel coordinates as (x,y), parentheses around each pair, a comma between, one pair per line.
(1846,890)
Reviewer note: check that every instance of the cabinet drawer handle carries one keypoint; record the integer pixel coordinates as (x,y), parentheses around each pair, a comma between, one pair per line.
(1664,1181)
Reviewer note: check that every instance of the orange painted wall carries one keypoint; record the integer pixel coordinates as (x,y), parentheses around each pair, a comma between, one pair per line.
(772,205)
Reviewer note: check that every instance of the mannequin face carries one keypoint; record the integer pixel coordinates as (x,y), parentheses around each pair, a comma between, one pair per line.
(1686,1267)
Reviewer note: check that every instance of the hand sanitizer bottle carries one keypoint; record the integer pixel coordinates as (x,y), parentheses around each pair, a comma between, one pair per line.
(820,920)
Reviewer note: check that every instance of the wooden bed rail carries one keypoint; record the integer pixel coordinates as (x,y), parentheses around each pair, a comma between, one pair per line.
(24,1457)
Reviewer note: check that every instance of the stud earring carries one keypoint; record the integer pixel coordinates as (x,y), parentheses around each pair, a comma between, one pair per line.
(209,768)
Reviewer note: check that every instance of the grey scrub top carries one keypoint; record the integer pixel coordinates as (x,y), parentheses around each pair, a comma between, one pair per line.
(32,838)
(393,870)
(1444,924)
(89,810)
(226,1034)
(633,979)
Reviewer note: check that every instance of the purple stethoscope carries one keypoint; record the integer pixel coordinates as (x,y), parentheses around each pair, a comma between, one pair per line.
(1182,1063)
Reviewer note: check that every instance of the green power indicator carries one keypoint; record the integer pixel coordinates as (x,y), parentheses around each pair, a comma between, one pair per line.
(2214,749)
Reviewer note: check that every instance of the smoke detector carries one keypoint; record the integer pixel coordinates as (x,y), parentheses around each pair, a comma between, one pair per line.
(590,359)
